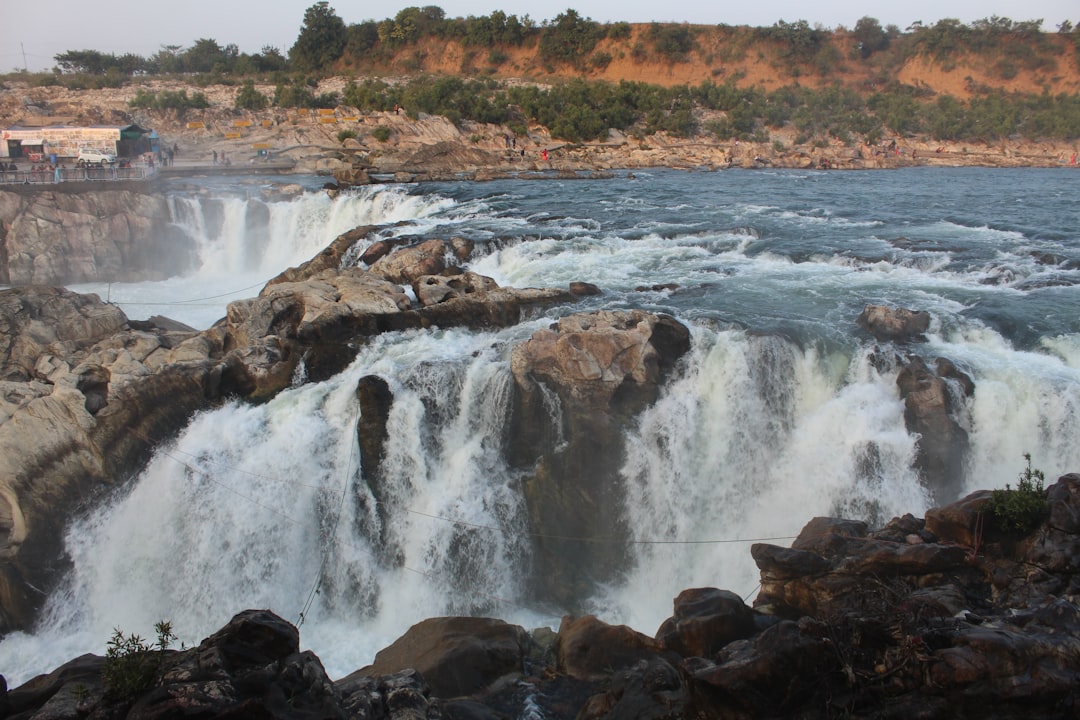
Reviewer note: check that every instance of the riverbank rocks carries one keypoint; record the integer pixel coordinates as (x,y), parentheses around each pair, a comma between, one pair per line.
(578,384)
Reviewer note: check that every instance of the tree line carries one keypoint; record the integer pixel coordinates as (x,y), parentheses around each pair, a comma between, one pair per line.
(579,110)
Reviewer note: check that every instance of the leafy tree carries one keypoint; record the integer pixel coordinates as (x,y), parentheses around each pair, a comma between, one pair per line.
(321,41)
(269,59)
(94,62)
(570,38)
(870,36)
(372,94)
(206,55)
(361,39)
(798,41)
(294,95)
(168,59)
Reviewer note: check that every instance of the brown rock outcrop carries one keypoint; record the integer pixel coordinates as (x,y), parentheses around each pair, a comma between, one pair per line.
(896,324)
(578,383)
(434,289)
(705,620)
(408,264)
(590,649)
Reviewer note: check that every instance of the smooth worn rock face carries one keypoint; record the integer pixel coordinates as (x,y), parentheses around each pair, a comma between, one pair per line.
(406,265)
(930,411)
(56,237)
(588,648)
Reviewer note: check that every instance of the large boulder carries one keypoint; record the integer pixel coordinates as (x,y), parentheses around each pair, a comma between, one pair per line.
(456,656)
(406,265)
(894,324)
(578,384)
(705,620)
(434,289)
(770,675)
(590,649)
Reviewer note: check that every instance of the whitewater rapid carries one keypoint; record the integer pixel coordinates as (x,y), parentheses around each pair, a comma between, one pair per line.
(780,412)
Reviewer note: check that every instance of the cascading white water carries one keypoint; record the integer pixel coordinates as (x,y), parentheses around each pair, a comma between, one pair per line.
(754,435)
(242,242)
(755,438)
(252,506)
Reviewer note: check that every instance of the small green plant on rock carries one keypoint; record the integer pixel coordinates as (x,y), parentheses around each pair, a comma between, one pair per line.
(131,665)
(1021,510)
(381,133)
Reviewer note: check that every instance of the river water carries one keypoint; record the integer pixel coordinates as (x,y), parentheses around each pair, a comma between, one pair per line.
(779,413)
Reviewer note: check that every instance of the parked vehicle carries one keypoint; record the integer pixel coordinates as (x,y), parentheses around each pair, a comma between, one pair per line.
(95,156)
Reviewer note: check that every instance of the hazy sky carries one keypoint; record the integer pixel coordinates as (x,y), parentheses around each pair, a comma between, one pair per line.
(38,30)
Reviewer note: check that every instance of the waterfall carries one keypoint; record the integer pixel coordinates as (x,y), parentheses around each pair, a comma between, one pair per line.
(782,411)
(265,506)
(242,241)
(755,438)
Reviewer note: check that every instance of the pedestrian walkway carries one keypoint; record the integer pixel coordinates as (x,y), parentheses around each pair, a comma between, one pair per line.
(106,173)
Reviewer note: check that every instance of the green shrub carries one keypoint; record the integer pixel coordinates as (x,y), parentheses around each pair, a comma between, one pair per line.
(248,98)
(673,42)
(131,666)
(1021,510)
(381,133)
(344,135)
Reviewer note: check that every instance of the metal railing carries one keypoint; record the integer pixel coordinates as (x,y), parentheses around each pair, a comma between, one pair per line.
(84,174)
